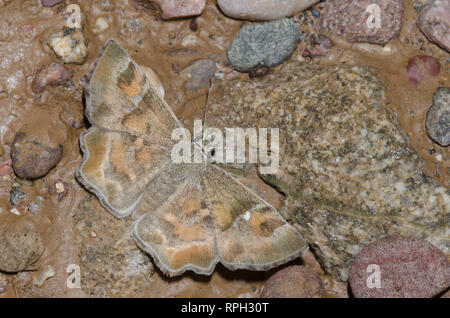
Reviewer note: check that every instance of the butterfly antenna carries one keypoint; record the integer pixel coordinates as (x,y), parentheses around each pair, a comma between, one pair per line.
(207,103)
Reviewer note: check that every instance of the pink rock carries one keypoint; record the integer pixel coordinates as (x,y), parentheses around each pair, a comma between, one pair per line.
(422,66)
(6,168)
(50,3)
(320,46)
(407,267)
(263,10)
(172,9)
(294,282)
(355,20)
(50,75)
(434,22)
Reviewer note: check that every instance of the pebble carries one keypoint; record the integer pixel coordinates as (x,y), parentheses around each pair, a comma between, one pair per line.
(199,73)
(20,246)
(438,117)
(422,66)
(320,45)
(172,9)
(54,74)
(101,24)
(434,22)
(46,272)
(294,282)
(6,168)
(50,3)
(59,189)
(263,10)
(263,44)
(408,267)
(350,20)
(15,195)
(69,46)
(4,281)
(32,158)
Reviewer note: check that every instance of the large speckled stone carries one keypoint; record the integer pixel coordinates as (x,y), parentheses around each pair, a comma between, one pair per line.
(347,170)
(263,44)
(111,263)
(438,117)
(20,245)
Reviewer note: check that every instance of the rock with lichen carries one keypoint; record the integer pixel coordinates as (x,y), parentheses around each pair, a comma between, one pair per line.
(348,172)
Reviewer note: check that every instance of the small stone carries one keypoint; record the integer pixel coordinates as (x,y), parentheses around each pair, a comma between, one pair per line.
(50,3)
(4,281)
(69,46)
(20,246)
(32,158)
(54,74)
(294,282)
(45,273)
(352,20)
(263,44)
(434,22)
(438,117)
(315,13)
(172,9)
(320,46)
(263,10)
(59,189)
(101,24)
(422,66)
(16,195)
(408,267)
(199,73)
(6,168)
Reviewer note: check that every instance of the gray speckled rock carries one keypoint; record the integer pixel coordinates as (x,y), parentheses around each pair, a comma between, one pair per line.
(438,117)
(347,170)
(263,44)
(20,246)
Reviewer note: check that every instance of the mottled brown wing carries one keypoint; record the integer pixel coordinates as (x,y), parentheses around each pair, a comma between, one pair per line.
(118,166)
(250,233)
(205,216)
(130,140)
(120,97)
(178,230)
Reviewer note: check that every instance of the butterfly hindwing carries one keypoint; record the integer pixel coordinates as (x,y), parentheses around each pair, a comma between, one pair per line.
(178,231)
(250,233)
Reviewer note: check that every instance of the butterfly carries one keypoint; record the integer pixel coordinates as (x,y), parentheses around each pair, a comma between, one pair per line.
(196,215)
